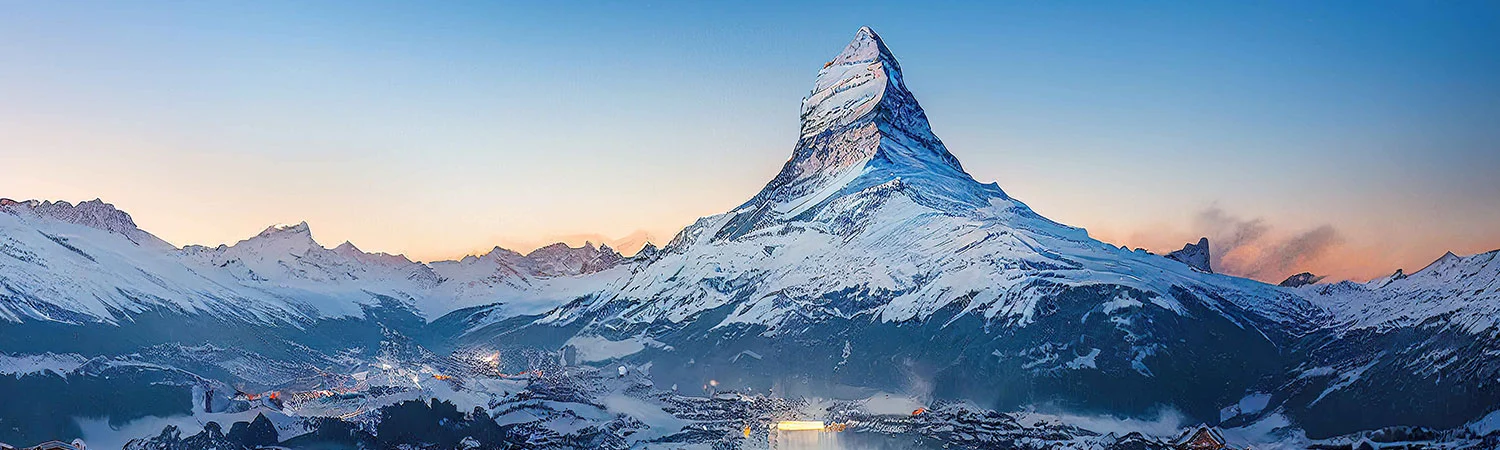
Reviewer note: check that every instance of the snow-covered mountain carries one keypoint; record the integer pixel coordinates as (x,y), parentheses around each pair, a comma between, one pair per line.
(1460,290)
(872,200)
(89,263)
(873,259)
(862,132)
(83,283)
(1426,345)
(63,265)
(871,262)
(93,214)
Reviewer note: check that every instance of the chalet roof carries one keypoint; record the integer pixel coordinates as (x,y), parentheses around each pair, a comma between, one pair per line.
(1190,433)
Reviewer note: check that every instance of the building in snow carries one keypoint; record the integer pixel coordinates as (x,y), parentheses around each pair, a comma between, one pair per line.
(77,444)
(1201,437)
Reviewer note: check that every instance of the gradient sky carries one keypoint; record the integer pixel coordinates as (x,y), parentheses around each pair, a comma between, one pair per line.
(1346,138)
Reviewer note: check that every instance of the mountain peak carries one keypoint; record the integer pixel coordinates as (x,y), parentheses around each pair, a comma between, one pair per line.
(94,213)
(866,48)
(347,248)
(647,251)
(1299,280)
(496,254)
(285,229)
(861,129)
(852,85)
(1196,256)
(297,236)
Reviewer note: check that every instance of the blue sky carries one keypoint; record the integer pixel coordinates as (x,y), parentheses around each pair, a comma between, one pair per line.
(442,129)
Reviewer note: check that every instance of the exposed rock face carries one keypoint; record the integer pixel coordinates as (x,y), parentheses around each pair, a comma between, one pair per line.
(212,437)
(1194,255)
(254,434)
(1299,280)
(561,260)
(647,252)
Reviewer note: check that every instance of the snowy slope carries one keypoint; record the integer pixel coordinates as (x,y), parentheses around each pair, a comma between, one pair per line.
(524,284)
(285,262)
(58,270)
(1426,345)
(1463,290)
(89,263)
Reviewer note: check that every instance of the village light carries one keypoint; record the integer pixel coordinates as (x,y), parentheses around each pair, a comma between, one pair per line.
(800,425)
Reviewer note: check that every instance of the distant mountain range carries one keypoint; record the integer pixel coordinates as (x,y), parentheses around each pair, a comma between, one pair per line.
(871,262)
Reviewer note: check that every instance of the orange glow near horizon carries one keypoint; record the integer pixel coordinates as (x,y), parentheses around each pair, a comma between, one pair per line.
(1352,259)
(1356,254)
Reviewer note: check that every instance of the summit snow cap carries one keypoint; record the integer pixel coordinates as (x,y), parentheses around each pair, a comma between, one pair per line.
(297,228)
(285,238)
(851,85)
(865,48)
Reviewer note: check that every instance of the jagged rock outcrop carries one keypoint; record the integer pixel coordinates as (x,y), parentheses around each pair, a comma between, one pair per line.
(647,252)
(1196,256)
(256,433)
(561,260)
(212,437)
(93,213)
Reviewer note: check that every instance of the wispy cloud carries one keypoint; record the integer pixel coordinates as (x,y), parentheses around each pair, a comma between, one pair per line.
(1255,249)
